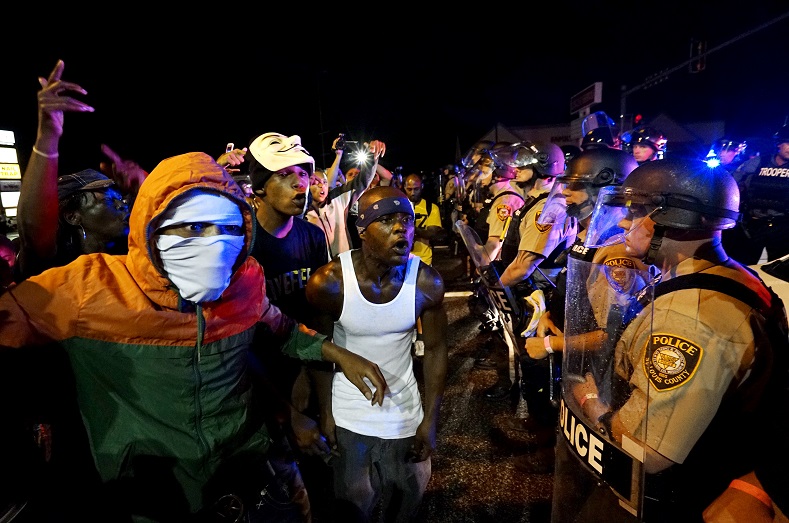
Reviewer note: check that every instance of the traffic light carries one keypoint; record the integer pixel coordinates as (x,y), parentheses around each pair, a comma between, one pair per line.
(698,57)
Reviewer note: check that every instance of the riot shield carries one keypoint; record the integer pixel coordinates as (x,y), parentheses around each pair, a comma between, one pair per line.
(599,476)
(508,311)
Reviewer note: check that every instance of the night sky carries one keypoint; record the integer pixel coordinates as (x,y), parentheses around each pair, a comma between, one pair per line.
(166,84)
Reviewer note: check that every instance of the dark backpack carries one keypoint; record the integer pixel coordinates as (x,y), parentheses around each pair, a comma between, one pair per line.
(512,238)
(481,220)
(776,329)
(758,408)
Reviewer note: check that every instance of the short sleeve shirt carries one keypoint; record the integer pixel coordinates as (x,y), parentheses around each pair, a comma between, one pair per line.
(502,209)
(700,343)
(421,249)
(543,239)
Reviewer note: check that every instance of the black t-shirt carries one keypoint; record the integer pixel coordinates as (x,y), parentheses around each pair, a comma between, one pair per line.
(287,264)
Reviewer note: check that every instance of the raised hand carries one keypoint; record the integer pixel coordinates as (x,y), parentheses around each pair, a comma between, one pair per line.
(127,174)
(377,148)
(54,100)
(232,158)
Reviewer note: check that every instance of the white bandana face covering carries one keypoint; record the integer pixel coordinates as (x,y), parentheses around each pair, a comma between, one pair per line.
(201,266)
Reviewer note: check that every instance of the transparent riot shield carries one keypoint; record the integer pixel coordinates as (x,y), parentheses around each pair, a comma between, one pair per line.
(600,474)
(509,312)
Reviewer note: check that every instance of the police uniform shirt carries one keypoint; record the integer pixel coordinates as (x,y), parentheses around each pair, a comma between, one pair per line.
(701,345)
(502,208)
(543,239)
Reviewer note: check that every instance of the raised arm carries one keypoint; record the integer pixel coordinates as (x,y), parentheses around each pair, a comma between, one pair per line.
(334,172)
(38,198)
(362,182)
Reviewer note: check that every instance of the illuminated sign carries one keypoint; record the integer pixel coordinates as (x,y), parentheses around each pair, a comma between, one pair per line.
(591,95)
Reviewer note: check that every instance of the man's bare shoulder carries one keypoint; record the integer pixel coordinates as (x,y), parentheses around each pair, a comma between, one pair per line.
(430,283)
(327,278)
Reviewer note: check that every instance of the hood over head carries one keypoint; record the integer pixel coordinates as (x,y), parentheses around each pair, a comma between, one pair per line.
(172,178)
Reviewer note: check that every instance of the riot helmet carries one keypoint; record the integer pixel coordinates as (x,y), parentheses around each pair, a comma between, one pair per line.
(570,152)
(502,168)
(726,151)
(550,160)
(781,136)
(647,136)
(519,154)
(681,194)
(600,137)
(588,172)
(599,130)
(472,156)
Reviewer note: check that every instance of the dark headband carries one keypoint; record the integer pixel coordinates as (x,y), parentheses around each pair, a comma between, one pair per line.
(391,205)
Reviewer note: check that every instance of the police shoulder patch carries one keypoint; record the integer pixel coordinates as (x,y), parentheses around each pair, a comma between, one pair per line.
(670,361)
(619,272)
(503,211)
(541,227)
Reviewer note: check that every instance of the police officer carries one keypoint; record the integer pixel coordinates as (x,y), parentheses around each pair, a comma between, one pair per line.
(599,130)
(579,187)
(728,153)
(529,244)
(764,186)
(688,369)
(646,144)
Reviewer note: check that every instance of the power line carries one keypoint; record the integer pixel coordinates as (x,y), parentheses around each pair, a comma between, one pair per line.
(662,76)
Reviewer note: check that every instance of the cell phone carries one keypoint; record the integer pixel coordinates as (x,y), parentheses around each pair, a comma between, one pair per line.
(229,147)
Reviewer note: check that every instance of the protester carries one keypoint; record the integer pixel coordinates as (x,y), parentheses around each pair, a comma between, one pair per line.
(158,341)
(330,206)
(62,217)
(369,299)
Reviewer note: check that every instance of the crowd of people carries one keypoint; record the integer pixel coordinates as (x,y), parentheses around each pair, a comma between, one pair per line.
(233,338)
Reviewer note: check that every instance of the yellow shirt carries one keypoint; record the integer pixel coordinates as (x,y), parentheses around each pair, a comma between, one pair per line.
(424,220)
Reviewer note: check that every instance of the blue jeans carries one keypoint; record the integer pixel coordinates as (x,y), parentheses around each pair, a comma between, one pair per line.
(370,470)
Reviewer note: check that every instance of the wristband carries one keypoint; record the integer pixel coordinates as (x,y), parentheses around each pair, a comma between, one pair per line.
(45,155)
(752,490)
(547,342)
(589,396)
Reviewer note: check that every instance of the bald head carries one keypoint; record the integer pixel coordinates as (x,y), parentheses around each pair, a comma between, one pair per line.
(374,194)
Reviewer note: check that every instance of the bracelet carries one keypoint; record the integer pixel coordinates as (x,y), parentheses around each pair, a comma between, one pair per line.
(547,342)
(45,155)
(752,490)
(589,396)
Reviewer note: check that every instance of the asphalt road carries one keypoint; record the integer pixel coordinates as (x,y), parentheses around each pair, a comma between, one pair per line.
(474,478)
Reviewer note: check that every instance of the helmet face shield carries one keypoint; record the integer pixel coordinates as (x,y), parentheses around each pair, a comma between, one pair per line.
(473,155)
(555,209)
(615,204)
(595,121)
(575,197)
(516,155)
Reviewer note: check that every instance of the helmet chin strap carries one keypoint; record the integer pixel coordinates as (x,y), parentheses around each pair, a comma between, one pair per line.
(584,210)
(654,244)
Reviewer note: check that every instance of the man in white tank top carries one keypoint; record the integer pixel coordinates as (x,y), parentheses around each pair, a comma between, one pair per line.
(370,299)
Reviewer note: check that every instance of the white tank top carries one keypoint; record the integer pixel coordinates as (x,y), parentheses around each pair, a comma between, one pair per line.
(382,334)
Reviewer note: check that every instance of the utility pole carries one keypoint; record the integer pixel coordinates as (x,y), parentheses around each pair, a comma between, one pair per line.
(702,55)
